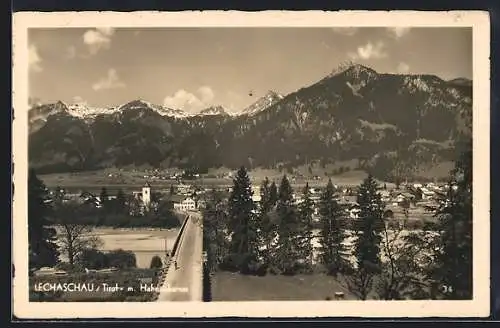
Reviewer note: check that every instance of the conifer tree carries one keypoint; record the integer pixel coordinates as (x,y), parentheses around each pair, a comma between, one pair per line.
(368,229)
(214,226)
(452,266)
(273,194)
(120,202)
(43,249)
(242,221)
(305,229)
(267,228)
(265,194)
(332,234)
(104,197)
(287,248)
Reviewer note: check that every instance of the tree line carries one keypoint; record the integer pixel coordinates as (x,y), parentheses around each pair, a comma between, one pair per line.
(57,226)
(373,259)
(120,211)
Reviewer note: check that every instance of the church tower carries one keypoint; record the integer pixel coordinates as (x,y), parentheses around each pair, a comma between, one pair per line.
(146,195)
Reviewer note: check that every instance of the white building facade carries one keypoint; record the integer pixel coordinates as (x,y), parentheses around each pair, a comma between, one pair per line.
(187,204)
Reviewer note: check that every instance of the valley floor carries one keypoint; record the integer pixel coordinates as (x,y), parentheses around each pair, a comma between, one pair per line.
(114,179)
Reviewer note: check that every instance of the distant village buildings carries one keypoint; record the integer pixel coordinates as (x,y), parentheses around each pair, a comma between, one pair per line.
(188,197)
(185,203)
(143,198)
(256,194)
(184,189)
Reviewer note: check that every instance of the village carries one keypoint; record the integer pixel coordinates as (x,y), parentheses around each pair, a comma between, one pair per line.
(409,200)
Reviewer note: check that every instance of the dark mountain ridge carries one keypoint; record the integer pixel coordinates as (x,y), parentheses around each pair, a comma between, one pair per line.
(356,113)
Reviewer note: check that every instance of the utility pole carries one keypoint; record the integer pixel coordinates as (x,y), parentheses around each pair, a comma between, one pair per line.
(166,247)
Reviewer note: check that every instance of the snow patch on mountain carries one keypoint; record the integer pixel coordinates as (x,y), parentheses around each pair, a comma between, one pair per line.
(264,102)
(355,72)
(84,111)
(162,110)
(415,84)
(88,113)
(213,110)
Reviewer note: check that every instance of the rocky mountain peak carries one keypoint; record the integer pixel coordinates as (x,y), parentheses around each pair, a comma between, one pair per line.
(264,102)
(213,110)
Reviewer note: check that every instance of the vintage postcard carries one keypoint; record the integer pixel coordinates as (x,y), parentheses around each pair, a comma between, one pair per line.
(266,164)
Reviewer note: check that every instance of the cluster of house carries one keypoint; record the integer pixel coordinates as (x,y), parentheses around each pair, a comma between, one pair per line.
(412,195)
(185,197)
(182,200)
(82,197)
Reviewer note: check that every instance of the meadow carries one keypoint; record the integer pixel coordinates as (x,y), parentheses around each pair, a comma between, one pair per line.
(144,242)
(133,180)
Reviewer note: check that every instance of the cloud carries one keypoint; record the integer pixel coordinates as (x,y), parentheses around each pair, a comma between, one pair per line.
(403,68)
(398,32)
(183,100)
(349,31)
(109,31)
(369,51)
(206,94)
(98,38)
(190,102)
(111,81)
(34,59)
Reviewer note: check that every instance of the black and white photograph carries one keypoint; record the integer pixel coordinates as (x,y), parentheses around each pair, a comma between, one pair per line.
(251,168)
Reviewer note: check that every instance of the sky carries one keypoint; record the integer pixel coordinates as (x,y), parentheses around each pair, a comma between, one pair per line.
(194,68)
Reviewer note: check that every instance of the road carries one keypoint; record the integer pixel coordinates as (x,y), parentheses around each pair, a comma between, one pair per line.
(185,282)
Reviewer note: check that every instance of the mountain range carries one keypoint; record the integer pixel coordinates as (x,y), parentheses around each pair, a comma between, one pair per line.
(382,120)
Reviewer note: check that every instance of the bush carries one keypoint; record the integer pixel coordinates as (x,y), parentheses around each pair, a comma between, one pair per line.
(156,263)
(121,259)
(244,263)
(93,259)
(70,268)
(230,263)
(254,267)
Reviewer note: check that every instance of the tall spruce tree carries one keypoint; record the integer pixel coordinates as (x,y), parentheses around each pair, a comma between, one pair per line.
(120,202)
(43,249)
(273,194)
(368,229)
(452,267)
(333,252)
(104,198)
(242,221)
(288,255)
(305,229)
(265,195)
(214,227)
(267,227)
